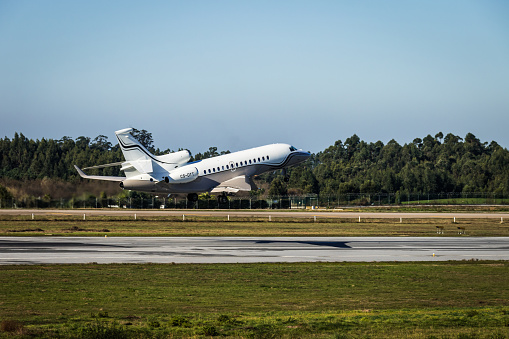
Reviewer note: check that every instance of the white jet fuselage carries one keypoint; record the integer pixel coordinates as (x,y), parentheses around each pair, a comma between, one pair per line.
(210,173)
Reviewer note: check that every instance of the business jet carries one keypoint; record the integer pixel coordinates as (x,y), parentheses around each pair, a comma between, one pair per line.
(173,173)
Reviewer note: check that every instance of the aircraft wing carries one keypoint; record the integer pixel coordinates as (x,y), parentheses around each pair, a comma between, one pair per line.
(98,177)
(240,183)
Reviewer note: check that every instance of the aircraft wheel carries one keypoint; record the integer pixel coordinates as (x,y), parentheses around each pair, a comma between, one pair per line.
(192,197)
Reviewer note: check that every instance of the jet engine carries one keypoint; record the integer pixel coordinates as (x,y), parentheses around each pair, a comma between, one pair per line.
(182,175)
(139,185)
(180,157)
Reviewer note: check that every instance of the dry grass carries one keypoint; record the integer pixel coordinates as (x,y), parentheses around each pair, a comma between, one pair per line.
(67,225)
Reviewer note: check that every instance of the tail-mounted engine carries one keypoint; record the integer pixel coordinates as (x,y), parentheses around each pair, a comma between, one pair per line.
(182,175)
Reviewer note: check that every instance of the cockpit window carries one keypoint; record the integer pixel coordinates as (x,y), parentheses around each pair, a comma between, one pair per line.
(292,149)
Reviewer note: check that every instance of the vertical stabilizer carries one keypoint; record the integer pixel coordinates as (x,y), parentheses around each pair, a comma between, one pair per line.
(138,160)
(131,148)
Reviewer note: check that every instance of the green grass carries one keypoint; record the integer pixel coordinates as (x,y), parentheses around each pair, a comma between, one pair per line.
(61,225)
(457,201)
(321,300)
(416,206)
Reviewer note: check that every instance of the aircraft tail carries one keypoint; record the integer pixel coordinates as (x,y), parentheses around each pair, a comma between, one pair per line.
(131,148)
(138,160)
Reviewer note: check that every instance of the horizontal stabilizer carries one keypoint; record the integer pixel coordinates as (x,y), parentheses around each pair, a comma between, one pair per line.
(98,177)
(240,183)
(105,165)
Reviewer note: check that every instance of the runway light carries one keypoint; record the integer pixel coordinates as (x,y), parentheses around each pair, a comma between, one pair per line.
(433,255)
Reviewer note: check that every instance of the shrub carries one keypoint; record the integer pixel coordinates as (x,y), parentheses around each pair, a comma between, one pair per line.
(180,321)
(101,330)
(209,330)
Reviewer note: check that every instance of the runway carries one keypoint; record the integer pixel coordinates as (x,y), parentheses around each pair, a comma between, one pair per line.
(72,250)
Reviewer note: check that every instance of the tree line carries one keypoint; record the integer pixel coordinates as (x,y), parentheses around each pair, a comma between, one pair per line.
(429,165)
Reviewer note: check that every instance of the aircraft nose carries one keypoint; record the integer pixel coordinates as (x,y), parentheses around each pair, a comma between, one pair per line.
(301,155)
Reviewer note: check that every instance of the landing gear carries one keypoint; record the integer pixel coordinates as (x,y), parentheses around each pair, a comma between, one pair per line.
(222,199)
(192,197)
(285,175)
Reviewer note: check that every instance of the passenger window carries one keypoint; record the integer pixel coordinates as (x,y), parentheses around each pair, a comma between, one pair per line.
(258,159)
(223,168)
(214,170)
(249,161)
(263,158)
(205,172)
(209,170)
(237,164)
(267,157)
(227,167)
(218,169)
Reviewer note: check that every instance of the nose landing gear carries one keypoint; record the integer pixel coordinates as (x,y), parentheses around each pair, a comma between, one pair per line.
(285,175)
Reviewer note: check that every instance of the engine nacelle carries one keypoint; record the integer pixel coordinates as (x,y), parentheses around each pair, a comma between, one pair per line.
(179,157)
(182,175)
(139,185)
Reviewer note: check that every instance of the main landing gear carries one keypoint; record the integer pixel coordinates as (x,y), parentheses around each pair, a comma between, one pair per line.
(192,197)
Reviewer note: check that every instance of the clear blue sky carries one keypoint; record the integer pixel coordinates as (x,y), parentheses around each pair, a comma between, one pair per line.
(238,74)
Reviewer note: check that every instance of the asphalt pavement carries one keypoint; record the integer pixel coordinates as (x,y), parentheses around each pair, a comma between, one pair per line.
(70,250)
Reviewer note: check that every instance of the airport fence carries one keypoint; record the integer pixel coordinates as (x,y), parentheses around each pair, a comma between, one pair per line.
(266,202)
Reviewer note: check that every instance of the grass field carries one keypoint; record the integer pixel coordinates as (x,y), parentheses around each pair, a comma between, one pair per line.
(72,225)
(321,300)
(468,299)
(459,201)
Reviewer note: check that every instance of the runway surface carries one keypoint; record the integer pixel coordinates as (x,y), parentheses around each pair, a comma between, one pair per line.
(257,213)
(67,250)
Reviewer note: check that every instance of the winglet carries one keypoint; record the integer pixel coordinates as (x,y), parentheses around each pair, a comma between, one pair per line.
(80,172)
